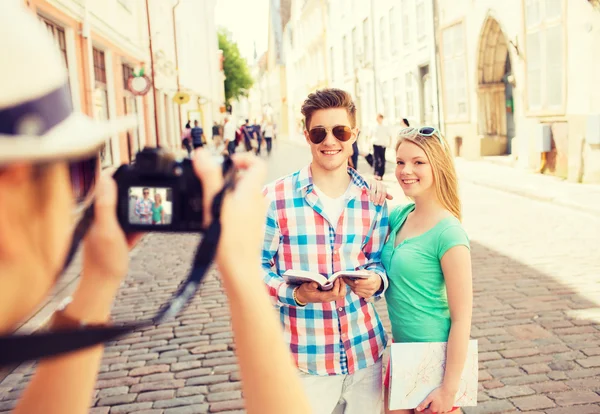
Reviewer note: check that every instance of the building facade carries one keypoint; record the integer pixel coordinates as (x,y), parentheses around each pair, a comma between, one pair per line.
(273,81)
(200,67)
(520,78)
(382,52)
(305,49)
(105,42)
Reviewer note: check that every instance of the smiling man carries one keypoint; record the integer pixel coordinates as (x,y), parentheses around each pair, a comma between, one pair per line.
(321,219)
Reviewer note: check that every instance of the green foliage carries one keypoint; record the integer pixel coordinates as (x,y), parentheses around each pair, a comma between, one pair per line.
(237,75)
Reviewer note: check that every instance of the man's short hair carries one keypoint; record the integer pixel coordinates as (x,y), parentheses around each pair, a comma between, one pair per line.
(326,99)
(380,116)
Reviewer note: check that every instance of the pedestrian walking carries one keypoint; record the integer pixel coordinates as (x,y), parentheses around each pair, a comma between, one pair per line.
(248,135)
(197,135)
(269,132)
(186,138)
(257,130)
(381,139)
(229,135)
(216,135)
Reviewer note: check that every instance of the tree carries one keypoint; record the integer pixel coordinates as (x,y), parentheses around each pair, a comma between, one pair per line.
(237,75)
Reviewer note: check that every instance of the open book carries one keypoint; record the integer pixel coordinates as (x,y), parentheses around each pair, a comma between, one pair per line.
(417,368)
(297,277)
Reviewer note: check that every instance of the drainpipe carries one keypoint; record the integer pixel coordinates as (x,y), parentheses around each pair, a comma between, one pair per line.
(153,76)
(375,78)
(88,80)
(436,55)
(177,61)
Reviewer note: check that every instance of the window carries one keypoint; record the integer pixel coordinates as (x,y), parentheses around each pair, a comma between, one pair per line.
(355,52)
(101,101)
(366,42)
(130,107)
(346,55)
(398,99)
(332,63)
(393,34)
(382,43)
(455,80)
(99,66)
(545,54)
(406,21)
(127,73)
(410,95)
(58,33)
(387,107)
(421,24)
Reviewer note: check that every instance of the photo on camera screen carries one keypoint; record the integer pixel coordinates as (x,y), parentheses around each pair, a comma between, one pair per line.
(150,206)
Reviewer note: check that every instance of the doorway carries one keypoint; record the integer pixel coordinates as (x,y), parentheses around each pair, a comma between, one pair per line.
(426,107)
(496,124)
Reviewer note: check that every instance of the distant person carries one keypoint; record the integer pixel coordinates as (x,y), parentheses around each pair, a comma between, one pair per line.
(257,135)
(216,134)
(248,133)
(269,132)
(186,138)
(229,135)
(381,139)
(197,135)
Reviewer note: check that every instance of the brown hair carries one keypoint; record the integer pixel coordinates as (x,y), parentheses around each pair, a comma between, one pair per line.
(445,180)
(326,99)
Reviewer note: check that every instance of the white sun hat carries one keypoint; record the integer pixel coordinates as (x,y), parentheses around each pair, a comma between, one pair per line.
(37,121)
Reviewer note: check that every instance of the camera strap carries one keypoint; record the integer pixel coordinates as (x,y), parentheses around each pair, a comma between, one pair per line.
(15,349)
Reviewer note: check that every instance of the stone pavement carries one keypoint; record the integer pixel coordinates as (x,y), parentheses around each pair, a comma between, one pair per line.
(536,315)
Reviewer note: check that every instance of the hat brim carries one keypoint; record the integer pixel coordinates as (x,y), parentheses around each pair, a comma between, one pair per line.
(76,137)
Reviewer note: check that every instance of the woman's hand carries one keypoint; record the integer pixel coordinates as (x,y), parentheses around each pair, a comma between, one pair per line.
(243,211)
(440,400)
(105,257)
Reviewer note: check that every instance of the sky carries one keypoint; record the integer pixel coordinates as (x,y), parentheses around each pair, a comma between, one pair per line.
(247,20)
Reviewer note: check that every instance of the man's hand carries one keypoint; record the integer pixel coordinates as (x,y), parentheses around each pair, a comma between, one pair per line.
(365,288)
(310,293)
(379,193)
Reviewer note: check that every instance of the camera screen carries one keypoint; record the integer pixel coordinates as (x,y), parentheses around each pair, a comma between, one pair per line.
(150,205)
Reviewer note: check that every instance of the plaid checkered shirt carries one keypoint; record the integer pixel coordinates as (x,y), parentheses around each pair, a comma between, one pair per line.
(333,338)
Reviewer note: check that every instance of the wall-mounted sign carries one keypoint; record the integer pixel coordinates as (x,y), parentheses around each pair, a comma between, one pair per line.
(181,98)
(139,85)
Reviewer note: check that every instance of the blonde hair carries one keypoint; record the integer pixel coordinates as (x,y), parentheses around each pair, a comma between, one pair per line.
(445,180)
(159,197)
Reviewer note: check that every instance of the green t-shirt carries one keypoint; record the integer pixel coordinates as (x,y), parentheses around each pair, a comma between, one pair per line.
(156,213)
(416,297)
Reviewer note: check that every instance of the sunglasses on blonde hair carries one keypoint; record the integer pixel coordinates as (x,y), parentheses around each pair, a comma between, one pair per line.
(425,131)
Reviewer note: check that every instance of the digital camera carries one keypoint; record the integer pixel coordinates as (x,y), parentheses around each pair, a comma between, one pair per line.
(161,193)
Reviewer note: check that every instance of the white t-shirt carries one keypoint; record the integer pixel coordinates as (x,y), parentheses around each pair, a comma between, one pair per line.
(268,131)
(333,207)
(381,135)
(229,131)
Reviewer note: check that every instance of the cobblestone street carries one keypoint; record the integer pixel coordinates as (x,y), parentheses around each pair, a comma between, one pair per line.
(537,315)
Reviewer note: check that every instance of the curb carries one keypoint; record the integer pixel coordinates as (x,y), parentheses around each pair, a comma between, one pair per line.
(539,197)
(546,199)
